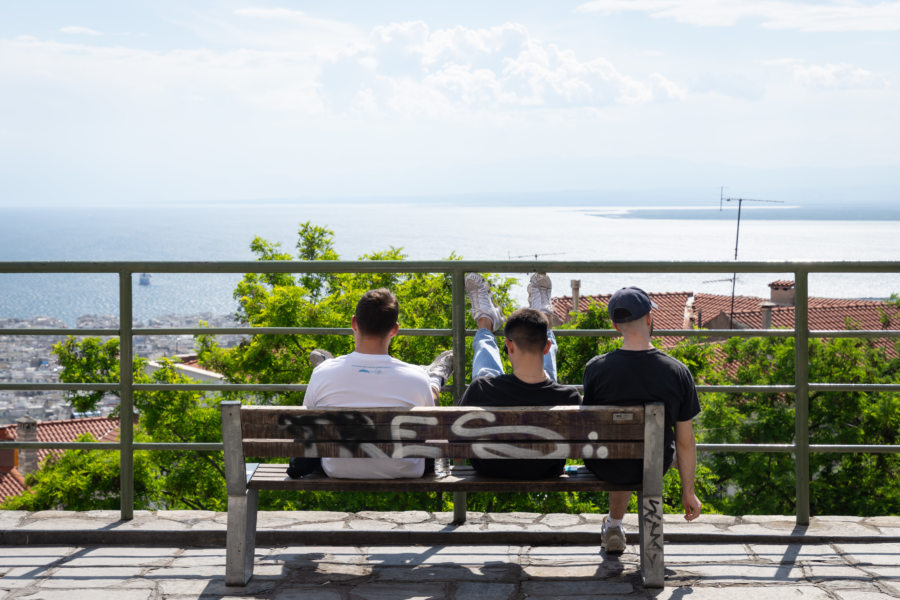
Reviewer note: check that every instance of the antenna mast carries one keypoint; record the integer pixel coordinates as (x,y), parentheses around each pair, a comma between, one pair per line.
(737,237)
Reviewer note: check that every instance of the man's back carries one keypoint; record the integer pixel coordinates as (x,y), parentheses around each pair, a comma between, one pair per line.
(359,380)
(628,377)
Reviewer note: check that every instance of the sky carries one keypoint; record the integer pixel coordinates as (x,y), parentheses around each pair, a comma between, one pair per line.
(213,101)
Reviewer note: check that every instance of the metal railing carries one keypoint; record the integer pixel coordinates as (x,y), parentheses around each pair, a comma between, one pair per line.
(125,388)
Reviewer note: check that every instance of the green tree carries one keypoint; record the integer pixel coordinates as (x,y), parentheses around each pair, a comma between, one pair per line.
(84,480)
(327,300)
(764,483)
(177,479)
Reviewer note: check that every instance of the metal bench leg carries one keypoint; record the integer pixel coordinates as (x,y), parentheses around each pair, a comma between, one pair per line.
(459,508)
(240,538)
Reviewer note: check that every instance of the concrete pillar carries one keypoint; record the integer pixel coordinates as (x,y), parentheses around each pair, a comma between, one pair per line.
(26,430)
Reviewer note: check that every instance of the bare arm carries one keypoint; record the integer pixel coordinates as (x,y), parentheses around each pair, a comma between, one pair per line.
(686,456)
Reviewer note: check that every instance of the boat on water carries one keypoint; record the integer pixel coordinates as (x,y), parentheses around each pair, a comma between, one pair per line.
(144,279)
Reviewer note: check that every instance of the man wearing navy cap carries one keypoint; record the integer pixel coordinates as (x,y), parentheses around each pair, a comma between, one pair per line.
(634,374)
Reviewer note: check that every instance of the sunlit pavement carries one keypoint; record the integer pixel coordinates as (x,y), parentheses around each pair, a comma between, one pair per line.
(498,556)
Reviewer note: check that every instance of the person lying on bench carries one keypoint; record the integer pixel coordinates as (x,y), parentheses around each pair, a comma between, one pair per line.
(634,374)
(369,377)
(531,347)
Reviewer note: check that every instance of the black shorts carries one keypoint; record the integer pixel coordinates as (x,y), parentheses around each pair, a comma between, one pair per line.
(621,470)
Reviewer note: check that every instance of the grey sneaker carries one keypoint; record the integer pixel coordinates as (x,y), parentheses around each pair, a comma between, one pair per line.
(539,288)
(479,292)
(318,356)
(440,369)
(612,538)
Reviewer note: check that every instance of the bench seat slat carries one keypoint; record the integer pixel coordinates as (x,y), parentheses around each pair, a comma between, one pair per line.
(610,431)
(461,479)
(444,449)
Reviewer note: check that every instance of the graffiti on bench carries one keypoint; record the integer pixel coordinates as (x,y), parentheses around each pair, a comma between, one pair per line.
(653,526)
(357,430)
(354,427)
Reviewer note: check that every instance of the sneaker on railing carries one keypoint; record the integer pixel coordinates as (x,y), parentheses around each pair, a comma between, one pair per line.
(612,538)
(440,369)
(318,356)
(539,288)
(479,292)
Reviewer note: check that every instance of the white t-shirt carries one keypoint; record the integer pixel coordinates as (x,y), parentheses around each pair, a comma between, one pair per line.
(369,381)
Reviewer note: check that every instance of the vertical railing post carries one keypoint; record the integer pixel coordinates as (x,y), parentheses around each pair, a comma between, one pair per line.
(801,398)
(458,294)
(458,316)
(126,400)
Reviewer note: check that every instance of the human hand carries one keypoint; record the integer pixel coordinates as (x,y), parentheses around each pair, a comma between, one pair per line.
(692,505)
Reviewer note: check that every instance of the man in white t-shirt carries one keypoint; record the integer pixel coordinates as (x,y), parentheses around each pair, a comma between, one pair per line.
(369,378)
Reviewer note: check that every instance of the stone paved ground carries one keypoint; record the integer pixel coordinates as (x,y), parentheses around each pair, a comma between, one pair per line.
(776,563)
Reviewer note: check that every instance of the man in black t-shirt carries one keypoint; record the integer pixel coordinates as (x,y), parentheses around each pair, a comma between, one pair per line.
(634,374)
(531,347)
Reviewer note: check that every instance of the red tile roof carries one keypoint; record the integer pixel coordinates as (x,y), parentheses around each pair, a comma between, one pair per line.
(11,484)
(824,313)
(104,429)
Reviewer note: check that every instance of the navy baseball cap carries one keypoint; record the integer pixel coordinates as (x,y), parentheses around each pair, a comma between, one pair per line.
(629,304)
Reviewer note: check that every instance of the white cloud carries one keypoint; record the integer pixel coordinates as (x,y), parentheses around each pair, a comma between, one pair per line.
(463,69)
(78,30)
(838,15)
(840,76)
(111,75)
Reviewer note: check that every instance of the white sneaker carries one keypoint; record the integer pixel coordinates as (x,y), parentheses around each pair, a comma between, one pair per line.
(479,292)
(440,369)
(539,288)
(612,538)
(318,356)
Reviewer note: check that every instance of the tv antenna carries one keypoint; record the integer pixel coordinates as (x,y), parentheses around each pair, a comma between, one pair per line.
(535,255)
(737,236)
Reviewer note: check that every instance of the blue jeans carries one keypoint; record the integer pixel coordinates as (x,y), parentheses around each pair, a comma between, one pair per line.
(487,355)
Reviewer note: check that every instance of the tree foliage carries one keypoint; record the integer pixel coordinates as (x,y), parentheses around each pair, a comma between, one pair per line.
(764,483)
(84,480)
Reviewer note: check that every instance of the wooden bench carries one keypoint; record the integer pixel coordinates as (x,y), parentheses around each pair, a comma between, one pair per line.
(445,432)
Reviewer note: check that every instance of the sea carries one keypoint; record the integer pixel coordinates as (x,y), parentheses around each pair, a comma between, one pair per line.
(470,227)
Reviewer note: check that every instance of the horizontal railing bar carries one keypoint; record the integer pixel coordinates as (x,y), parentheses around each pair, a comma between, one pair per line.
(52,387)
(855,333)
(299,387)
(203,446)
(745,447)
(221,387)
(820,448)
(851,448)
(60,331)
(62,445)
(198,446)
(447,266)
(852,333)
(748,389)
(854,387)
(278,331)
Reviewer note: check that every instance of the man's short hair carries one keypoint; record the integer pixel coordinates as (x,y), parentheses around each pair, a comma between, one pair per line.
(527,327)
(377,312)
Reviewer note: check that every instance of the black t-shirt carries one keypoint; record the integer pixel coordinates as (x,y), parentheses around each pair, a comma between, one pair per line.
(509,390)
(629,377)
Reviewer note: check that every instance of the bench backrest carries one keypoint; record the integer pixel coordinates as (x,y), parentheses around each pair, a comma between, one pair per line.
(441,432)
